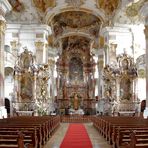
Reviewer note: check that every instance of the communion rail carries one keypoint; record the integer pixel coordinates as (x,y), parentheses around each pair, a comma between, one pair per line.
(75,118)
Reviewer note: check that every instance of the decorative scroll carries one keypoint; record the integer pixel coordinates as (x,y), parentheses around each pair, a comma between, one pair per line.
(16,5)
(75,3)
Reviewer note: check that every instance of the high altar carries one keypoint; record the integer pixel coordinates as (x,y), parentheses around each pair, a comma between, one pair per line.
(75,82)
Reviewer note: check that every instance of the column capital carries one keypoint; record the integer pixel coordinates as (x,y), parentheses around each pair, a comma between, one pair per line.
(146,31)
(2,26)
(4,8)
(39,44)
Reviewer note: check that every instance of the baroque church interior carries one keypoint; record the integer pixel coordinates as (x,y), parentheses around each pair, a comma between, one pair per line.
(74,61)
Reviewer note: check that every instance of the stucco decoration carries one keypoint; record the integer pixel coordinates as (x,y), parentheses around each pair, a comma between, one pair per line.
(25,13)
(109,6)
(75,3)
(133,9)
(42,5)
(16,5)
(50,41)
(141,66)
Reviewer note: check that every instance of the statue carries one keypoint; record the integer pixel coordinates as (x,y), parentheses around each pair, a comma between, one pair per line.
(76,102)
(26,59)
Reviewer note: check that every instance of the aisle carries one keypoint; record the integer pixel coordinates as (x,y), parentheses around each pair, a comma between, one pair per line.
(97,140)
(76,137)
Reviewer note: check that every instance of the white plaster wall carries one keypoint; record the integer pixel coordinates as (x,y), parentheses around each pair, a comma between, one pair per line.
(27,35)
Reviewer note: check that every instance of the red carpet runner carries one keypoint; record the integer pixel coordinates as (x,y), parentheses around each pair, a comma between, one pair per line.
(76,137)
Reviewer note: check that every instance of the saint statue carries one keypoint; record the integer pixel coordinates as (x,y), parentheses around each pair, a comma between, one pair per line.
(76,102)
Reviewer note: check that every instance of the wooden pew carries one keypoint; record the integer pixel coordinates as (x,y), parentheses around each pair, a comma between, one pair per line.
(45,125)
(29,136)
(126,129)
(107,125)
(17,141)
(136,141)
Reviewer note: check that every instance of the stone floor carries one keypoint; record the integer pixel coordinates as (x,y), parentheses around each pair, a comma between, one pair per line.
(97,140)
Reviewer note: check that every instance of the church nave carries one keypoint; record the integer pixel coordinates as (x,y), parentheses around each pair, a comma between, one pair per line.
(97,140)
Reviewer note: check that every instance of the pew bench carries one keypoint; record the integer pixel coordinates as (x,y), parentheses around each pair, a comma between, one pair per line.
(126,129)
(141,137)
(14,141)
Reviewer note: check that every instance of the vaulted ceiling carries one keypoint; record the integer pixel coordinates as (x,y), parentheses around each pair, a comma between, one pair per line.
(83,18)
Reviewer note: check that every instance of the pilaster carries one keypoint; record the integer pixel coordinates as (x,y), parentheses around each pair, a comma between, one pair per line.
(4,8)
(2,34)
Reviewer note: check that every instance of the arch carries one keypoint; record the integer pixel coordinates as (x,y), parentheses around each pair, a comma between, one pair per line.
(50,15)
(75,33)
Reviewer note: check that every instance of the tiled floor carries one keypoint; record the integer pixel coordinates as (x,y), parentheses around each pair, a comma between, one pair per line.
(97,140)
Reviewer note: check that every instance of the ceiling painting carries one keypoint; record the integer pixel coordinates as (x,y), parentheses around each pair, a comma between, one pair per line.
(133,9)
(76,43)
(76,69)
(109,6)
(42,5)
(76,19)
(76,22)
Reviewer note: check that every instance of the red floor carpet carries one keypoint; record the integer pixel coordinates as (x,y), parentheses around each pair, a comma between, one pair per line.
(76,137)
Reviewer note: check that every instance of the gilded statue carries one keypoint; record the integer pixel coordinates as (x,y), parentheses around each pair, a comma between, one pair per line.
(76,102)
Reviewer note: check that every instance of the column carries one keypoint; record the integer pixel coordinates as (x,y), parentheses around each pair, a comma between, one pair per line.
(145,114)
(34,87)
(4,8)
(40,52)
(2,35)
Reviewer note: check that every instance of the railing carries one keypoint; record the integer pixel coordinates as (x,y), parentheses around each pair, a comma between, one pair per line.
(75,118)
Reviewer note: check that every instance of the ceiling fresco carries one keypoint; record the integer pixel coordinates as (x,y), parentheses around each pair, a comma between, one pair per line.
(42,5)
(69,15)
(76,19)
(133,9)
(109,6)
(76,43)
(75,22)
